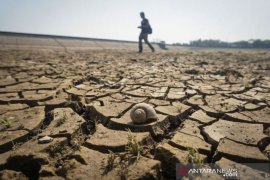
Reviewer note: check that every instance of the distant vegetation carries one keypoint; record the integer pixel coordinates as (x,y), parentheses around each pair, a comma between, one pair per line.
(221,44)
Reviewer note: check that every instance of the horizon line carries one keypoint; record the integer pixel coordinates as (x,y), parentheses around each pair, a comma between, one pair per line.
(41,35)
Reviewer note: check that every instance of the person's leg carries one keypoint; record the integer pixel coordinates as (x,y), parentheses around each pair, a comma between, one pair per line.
(140,43)
(147,42)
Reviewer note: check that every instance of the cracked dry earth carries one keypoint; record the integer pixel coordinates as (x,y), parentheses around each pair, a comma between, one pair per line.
(213,106)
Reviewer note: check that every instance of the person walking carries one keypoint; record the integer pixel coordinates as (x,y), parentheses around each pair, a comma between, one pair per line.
(145,30)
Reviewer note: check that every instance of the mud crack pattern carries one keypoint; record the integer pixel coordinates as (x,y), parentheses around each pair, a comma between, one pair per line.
(214,102)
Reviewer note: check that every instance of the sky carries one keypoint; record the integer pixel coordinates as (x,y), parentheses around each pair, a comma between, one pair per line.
(172,20)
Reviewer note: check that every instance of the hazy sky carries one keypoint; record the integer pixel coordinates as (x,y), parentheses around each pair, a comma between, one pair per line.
(172,20)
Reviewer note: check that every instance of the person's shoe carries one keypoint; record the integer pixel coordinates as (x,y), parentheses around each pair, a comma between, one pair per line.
(139,51)
(153,50)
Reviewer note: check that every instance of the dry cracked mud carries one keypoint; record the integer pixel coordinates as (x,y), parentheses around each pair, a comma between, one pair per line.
(216,103)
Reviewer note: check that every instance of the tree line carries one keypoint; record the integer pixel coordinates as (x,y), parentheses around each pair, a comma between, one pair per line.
(221,44)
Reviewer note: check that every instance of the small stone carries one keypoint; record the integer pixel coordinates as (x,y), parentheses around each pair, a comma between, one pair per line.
(62,131)
(45,139)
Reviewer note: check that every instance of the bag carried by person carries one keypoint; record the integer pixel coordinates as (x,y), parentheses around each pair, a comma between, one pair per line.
(149,30)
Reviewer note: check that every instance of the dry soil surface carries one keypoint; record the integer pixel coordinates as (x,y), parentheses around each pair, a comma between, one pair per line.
(213,106)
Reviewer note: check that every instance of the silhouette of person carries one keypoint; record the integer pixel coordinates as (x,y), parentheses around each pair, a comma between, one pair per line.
(145,30)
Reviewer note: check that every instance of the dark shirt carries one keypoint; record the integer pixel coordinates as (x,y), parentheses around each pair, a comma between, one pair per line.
(146,28)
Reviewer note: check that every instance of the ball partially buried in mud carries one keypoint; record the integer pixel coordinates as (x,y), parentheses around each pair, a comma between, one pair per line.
(143,113)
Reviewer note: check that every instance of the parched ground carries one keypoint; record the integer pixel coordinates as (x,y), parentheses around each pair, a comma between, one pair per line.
(213,106)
